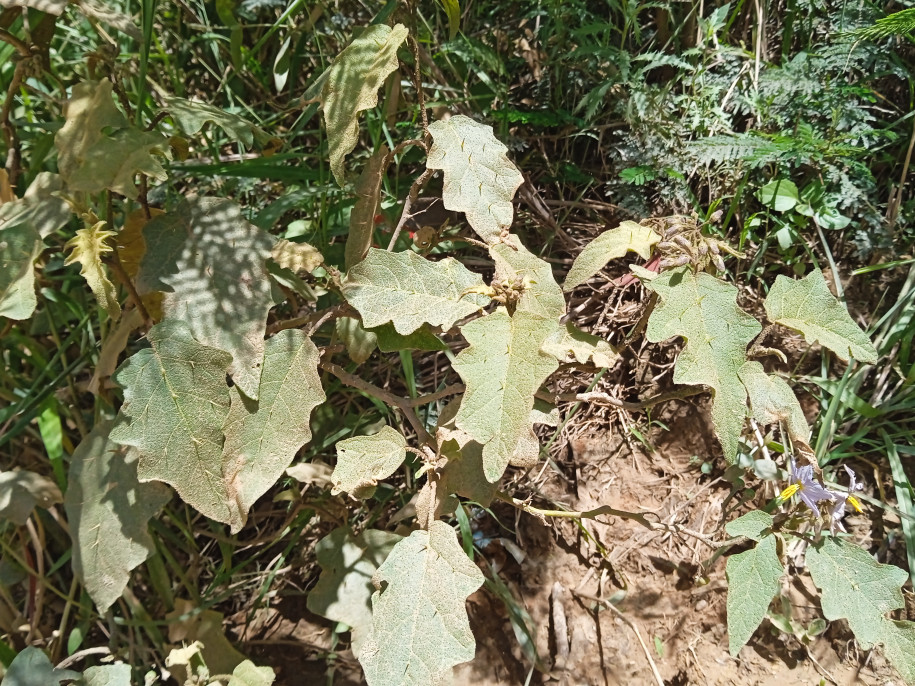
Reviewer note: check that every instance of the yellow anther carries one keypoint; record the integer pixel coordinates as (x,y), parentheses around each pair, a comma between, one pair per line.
(788,492)
(853,501)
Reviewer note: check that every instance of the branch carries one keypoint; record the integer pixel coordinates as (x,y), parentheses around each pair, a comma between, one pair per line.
(606,399)
(408,204)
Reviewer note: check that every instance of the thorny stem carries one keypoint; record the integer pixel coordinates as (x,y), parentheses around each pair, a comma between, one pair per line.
(408,204)
(418,83)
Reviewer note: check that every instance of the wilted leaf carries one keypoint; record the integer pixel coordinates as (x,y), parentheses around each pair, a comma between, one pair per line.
(753,580)
(262,436)
(540,293)
(31,667)
(87,247)
(45,212)
(363,461)
(351,86)
(212,264)
(296,256)
(175,403)
(410,290)
(187,624)
(479,180)
(108,510)
(362,218)
(503,368)
(360,343)
(344,589)
(419,620)
(191,115)
(704,311)
(117,674)
(20,246)
(772,400)
(131,248)
(806,305)
(114,345)
(570,344)
(311,473)
(248,674)
(389,340)
(610,245)
(21,491)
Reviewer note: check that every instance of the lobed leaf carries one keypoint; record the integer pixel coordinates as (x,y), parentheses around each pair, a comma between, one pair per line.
(409,290)
(263,436)
(629,236)
(479,179)
(21,491)
(772,400)
(389,340)
(807,305)
(753,580)
(704,311)
(88,247)
(175,402)
(753,524)
(248,674)
(108,510)
(363,461)
(362,218)
(420,628)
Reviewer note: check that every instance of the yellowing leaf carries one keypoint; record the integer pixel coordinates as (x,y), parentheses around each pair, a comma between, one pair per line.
(87,247)
(753,580)
(363,461)
(410,290)
(453,10)
(610,245)
(344,589)
(540,294)
(362,218)
(419,620)
(175,402)
(704,311)
(263,436)
(296,256)
(212,264)
(45,212)
(570,344)
(360,343)
(248,674)
(189,625)
(503,368)
(806,305)
(20,246)
(351,86)
(130,243)
(479,180)
(21,491)
(772,400)
(108,510)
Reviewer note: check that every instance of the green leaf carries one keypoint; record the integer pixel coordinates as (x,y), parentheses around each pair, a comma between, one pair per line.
(540,294)
(479,180)
(351,86)
(453,11)
(503,368)
(362,218)
(344,589)
(463,473)
(704,311)
(262,436)
(360,343)
(390,341)
(855,587)
(780,195)
(189,624)
(898,640)
(248,674)
(753,525)
(772,401)
(32,667)
(363,461)
(570,344)
(21,491)
(419,619)
(175,402)
(45,212)
(190,116)
(97,148)
(610,245)
(212,264)
(409,290)
(20,246)
(806,305)
(87,247)
(753,580)
(108,510)
(117,674)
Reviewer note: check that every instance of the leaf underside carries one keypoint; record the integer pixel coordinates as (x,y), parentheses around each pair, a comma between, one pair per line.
(772,400)
(21,491)
(363,461)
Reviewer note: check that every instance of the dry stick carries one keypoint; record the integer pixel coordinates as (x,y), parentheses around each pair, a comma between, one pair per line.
(418,83)
(606,399)
(9,132)
(86,652)
(408,204)
(606,603)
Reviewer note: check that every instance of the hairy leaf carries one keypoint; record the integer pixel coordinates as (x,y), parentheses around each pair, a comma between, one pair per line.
(772,400)
(422,339)
(503,368)
(263,436)
(20,246)
(21,491)
(351,86)
(45,212)
(409,290)
(117,674)
(191,115)
(570,344)
(360,342)
(249,674)
(753,580)
(31,667)
(297,257)
(753,524)
(344,589)
(362,218)
(212,264)
(806,305)
(704,311)
(108,510)
(175,402)
(363,461)
(55,7)
(898,639)
(87,247)
(189,624)
(98,148)
(114,344)
(479,180)
(419,620)
(610,245)
(540,294)
(463,473)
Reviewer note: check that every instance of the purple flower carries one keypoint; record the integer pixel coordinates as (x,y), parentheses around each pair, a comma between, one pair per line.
(838,509)
(803,484)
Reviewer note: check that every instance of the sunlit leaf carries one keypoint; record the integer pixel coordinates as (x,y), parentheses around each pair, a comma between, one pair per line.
(189,624)
(540,294)
(105,13)
(31,667)
(55,7)
(772,400)
(296,256)
(117,674)
(410,290)
(192,115)
(610,245)
(453,11)
(20,246)
(419,620)
(248,674)
(780,195)
(45,212)
(753,580)
(88,247)
(108,510)
(351,86)
(806,305)
(362,218)
(479,180)
(175,402)
(570,344)
(22,491)
(263,435)
(753,524)
(703,310)
(360,343)
(363,461)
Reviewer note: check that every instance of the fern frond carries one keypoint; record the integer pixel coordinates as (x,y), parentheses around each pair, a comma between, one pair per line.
(897,24)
